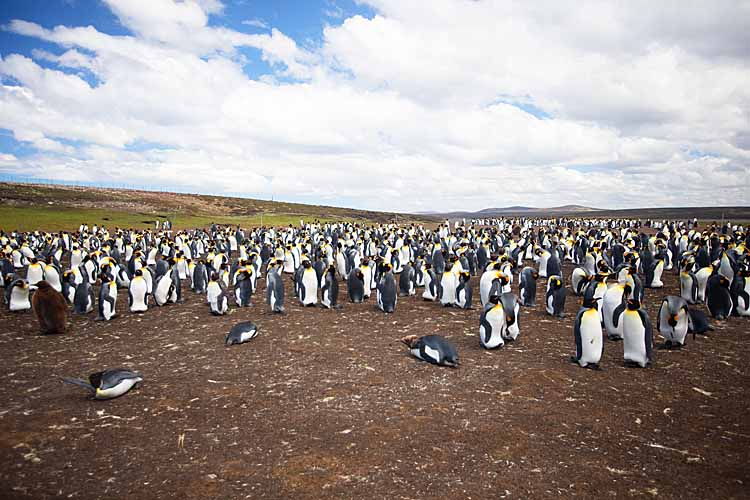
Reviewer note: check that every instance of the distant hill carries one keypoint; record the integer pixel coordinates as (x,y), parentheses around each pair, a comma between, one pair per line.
(702,213)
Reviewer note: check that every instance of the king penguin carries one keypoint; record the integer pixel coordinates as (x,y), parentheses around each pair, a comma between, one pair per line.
(637,334)
(527,287)
(587,332)
(17,295)
(138,293)
(555,297)
(492,323)
(107,298)
(674,318)
(432,348)
(329,294)
(387,291)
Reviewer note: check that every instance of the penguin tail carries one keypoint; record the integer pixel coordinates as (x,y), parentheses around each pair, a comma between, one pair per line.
(79,382)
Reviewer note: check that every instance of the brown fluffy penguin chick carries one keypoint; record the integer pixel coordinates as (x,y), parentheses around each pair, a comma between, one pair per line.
(50,309)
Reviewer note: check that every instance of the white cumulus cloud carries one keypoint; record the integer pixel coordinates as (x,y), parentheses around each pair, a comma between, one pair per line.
(468,105)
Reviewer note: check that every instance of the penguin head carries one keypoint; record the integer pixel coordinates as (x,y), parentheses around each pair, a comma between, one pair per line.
(634,304)
(139,272)
(410,341)
(591,302)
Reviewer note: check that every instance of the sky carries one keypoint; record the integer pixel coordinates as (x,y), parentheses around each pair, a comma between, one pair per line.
(393,105)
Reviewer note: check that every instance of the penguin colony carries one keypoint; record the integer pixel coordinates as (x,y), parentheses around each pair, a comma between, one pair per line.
(615,262)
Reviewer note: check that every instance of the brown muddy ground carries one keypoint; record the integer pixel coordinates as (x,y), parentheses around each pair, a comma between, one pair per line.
(328,404)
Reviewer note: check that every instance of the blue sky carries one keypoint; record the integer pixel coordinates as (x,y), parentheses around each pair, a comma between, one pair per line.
(382,104)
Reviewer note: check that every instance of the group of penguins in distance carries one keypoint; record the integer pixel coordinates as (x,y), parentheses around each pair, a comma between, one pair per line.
(615,262)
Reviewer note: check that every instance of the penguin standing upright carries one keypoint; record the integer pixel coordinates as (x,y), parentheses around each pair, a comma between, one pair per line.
(308,285)
(407,281)
(674,318)
(164,289)
(138,293)
(511,308)
(200,277)
(329,294)
(431,284)
(387,291)
(107,298)
(83,301)
(219,302)
(527,287)
(243,288)
(718,297)
(355,285)
(52,274)
(50,309)
(275,287)
(688,286)
(555,297)
(653,274)
(217,295)
(613,304)
(579,280)
(17,295)
(637,334)
(587,332)
(741,292)
(488,278)
(69,286)
(702,276)
(492,323)
(448,284)
(463,290)
(368,278)
(34,273)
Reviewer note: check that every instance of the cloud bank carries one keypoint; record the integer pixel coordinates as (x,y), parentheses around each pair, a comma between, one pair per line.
(462,106)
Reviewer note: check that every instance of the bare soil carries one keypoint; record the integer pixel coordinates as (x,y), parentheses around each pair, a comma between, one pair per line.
(327,403)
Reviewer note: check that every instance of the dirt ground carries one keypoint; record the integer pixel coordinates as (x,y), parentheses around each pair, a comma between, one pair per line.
(328,404)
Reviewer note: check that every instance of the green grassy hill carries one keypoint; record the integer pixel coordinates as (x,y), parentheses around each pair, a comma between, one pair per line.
(45,207)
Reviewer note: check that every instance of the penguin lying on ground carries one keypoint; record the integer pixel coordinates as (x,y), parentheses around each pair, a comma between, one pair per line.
(433,349)
(108,384)
(241,333)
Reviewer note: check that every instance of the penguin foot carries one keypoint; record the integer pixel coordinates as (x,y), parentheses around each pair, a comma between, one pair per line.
(594,366)
(613,338)
(573,360)
(666,345)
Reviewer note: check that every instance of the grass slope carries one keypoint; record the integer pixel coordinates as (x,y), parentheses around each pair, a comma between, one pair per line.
(29,206)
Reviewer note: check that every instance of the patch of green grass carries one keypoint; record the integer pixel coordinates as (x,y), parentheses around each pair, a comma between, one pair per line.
(57,219)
